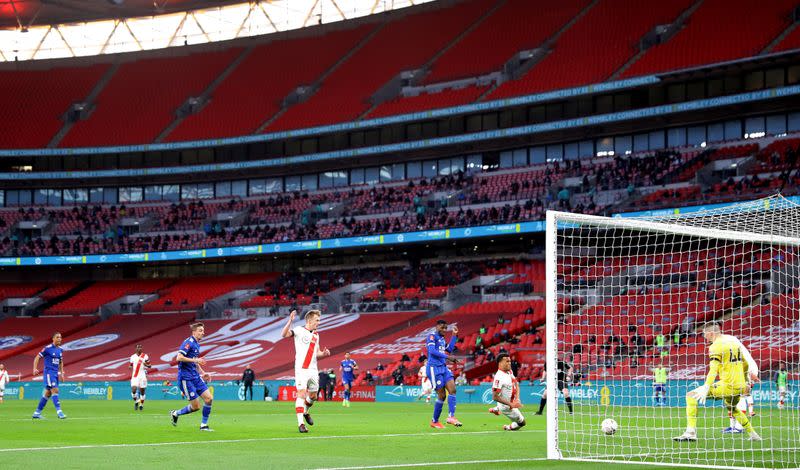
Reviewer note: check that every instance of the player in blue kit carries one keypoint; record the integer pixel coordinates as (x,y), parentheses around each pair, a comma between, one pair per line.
(192,378)
(348,367)
(440,376)
(53,366)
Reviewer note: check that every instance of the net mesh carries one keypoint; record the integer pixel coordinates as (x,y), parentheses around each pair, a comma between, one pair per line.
(632,297)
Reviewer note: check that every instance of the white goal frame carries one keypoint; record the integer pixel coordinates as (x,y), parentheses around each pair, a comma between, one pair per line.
(553,218)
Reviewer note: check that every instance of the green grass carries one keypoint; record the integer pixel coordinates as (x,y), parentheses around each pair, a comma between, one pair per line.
(264,435)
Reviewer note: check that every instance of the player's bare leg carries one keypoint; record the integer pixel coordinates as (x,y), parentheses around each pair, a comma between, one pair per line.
(450,386)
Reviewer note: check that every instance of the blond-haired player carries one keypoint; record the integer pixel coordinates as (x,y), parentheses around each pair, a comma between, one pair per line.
(307,350)
(726,359)
(139,365)
(505,391)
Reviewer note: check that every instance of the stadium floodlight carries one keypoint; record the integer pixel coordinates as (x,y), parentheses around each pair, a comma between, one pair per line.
(630,296)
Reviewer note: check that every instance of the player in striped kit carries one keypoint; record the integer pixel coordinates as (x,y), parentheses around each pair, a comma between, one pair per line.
(307,350)
(139,365)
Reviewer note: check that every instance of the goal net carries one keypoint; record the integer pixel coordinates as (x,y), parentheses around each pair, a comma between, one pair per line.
(632,296)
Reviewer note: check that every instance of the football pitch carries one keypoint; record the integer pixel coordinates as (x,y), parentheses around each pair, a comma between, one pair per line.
(109,434)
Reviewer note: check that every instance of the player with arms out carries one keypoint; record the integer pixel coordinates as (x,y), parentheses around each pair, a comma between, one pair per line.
(505,391)
(192,378)
(440,376)
(348,368)
(4,379)
(425,382)
(53,366)
(726,359)
(564,370)
(306,373)
(139,365)
(782,381)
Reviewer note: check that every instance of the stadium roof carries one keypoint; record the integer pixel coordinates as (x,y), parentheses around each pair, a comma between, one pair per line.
(20,14)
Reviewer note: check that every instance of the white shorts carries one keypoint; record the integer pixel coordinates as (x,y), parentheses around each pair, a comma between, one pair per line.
(781,389)
(306,379)
(141,382)
(427,387)
(2,390)
(511,413)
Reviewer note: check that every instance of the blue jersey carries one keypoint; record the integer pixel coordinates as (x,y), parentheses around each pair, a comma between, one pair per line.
(438,349)
(348,366)
(52,358)
(191,349)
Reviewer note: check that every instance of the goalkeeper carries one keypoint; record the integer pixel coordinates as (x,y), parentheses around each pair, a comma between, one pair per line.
(726,359)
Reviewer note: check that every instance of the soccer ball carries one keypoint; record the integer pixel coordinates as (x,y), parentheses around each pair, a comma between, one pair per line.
(267,398)
(609,426)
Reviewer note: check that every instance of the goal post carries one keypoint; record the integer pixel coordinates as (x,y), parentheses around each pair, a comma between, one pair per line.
(627,302)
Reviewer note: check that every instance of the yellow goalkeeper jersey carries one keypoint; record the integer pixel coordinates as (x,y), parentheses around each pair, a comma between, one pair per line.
(731,368)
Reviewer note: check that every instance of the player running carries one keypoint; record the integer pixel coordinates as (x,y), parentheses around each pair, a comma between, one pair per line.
(564,377)
(425,382)
(4,379)
(726,358)
(53,366)
(440,375)
(505,391)
(306,375)
(782,380)
(192,378)
(348,368)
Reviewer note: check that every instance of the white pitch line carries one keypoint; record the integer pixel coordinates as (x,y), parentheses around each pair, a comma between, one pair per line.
(431,464)
(265,439)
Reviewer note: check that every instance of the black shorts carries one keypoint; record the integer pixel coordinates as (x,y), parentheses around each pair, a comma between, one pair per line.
(562,384)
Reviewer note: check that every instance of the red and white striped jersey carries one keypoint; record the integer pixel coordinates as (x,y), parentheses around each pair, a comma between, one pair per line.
(306,348)
(137,361)
(506,383)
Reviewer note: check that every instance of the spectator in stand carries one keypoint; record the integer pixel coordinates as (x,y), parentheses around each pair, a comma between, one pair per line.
(379,366)
(461,379)
(501,319)
(369,378)
(514,366)
(482,329)
(248,377)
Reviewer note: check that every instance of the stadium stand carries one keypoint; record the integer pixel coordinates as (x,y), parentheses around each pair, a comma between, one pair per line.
(239,106)
(142,97)
(88,300)
(34,333)
(728,29)
(595,46)
(35,100)
(410,42)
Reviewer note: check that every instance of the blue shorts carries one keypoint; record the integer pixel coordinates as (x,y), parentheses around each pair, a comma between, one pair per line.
(50,380)
(660,388)
(192,388)
(347,381)
(439,376)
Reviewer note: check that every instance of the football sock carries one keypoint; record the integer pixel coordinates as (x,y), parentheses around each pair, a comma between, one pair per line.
(56,402)
(206,413)
(186,410)
(42,403)
(569,403)
(437,410)
(451,405)
(300,409)
(542,403)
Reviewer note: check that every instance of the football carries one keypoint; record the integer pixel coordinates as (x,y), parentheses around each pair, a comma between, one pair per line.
(609,426)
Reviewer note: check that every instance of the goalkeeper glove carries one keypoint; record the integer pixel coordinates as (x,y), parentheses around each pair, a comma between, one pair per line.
(700,394)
